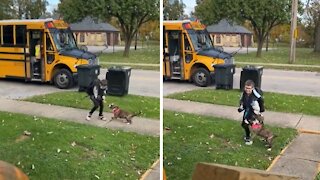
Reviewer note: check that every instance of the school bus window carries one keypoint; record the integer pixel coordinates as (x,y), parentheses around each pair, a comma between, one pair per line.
(187,45)
(194,39)
(63,39)
(21,37)
(48,43)
(8,35)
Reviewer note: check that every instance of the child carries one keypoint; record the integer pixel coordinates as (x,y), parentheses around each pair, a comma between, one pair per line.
(251,102)
(97,93)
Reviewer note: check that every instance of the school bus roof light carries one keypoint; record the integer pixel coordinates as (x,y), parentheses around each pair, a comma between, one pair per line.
(187,26)
(50,25)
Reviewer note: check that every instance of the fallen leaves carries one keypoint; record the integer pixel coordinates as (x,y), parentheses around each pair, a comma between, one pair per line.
(73,144)
(27,133)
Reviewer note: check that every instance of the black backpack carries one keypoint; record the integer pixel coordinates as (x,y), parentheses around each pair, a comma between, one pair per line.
(260,100)
(89,89)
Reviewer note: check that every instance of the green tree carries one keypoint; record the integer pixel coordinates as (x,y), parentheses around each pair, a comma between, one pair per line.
(131,14)
(6,9)
(30,9)
(262,14)
(313,22)
(173,9)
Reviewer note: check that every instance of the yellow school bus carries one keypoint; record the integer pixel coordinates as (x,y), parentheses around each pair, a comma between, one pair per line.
(189,53)
(53,43)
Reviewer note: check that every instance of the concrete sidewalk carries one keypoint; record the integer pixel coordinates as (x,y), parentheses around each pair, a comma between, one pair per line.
(304,151)
(139,125)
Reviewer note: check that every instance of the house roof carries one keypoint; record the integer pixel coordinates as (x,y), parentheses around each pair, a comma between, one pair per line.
(225,27)
(88,24)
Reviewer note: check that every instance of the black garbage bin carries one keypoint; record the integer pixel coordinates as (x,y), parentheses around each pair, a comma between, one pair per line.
(86,74)
(253,73)
(223,74)
(118,80)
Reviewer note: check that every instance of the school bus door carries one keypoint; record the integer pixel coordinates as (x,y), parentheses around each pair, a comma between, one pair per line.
(187,57)
(175,54)
(36,36)
(49,55)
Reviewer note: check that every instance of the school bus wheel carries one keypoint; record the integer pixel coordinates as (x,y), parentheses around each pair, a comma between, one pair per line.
(201,77)
(63,79)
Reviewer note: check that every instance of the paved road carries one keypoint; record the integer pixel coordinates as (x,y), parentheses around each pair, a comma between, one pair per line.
(289,82)
(141,82)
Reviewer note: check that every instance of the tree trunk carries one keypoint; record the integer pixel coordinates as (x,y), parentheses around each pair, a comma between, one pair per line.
(267,43)
(135,42)
(260,44)
(317,38)
(128,41)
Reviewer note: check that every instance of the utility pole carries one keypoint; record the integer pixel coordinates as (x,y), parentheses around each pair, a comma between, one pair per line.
(293,32)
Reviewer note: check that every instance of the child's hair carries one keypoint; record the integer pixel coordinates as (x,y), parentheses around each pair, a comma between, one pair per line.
(249,82)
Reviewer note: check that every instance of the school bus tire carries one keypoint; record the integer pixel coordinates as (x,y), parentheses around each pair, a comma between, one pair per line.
(201,77)
(63,79)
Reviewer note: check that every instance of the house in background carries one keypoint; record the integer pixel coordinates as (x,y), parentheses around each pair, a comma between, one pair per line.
(90,33)
(230,35)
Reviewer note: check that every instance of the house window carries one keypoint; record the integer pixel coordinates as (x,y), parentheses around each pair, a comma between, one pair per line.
(218,39)
(82,37)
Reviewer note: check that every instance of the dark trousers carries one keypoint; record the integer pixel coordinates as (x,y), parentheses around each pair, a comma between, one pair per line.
(96,103)
(247,115)
(245,126)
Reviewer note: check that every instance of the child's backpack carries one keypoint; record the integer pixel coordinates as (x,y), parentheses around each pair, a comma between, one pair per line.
(260,100)
(259,91)
(89,89)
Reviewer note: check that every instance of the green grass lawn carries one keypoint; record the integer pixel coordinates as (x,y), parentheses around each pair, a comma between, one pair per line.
(149,106)
(192,139)
(273,101)
(66,150)
(146,55)
(318,177)
(281,55)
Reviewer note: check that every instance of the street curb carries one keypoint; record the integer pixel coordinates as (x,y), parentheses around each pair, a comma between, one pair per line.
(278,157)
(149,170)
(308,131)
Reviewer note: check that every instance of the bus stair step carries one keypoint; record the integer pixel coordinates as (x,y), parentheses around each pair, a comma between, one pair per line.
(36,79)
(175,77)
(176,73)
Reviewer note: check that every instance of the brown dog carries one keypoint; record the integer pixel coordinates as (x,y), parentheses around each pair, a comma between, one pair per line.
(257,127)
(119,113)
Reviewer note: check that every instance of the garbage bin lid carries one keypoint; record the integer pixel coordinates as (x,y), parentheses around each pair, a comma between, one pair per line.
(119,68)
(252,67)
